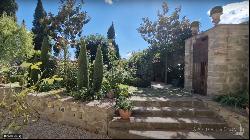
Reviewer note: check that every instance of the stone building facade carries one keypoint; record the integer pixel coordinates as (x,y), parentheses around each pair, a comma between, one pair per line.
(227,56)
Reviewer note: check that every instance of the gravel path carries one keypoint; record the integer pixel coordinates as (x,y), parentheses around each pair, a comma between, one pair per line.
(44,129)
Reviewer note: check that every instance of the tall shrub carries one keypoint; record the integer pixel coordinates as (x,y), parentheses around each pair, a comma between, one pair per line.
(98,70)
(44,52)
(83,75)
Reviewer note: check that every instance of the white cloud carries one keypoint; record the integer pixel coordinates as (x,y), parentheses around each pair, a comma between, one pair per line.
(109,1)
(235,13)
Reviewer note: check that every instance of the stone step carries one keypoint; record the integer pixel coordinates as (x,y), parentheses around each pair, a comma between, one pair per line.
(166,102)
(171,112)
(135,134)
(167,123)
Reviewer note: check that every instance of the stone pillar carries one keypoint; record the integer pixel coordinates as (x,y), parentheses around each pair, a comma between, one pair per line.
(195,27)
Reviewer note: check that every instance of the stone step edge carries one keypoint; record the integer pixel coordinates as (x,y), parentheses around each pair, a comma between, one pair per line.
(166,119)
(124,133)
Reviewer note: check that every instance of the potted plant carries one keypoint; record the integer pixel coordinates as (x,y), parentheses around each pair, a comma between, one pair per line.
(195,27)
(215,13)
(124,107)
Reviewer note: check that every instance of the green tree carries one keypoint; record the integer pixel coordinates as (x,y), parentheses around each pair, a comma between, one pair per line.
(38,28)
(23,23)
(92,43)
(15,41)
(83,75)
(111,36)
(111,32)
(166,36)
(45,53)
(66,26)
(8,6)
(98,70)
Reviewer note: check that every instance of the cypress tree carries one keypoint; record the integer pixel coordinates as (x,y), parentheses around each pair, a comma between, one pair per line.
(8,6)
(98,70)
(111,35)
(23,23)
(38,28)
(83,75)
(111,32)
(44,53)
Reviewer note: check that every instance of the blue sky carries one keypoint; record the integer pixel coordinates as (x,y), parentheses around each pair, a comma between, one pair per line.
(126,15)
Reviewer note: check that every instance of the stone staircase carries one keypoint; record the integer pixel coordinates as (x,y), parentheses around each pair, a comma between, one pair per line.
(169,118)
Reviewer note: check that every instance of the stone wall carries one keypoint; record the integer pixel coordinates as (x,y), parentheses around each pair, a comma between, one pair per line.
(56,107)
(228,51)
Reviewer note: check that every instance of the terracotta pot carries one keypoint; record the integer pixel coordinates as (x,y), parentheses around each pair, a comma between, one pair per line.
(125,114)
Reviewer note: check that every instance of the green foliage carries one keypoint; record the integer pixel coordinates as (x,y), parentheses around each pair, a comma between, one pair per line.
(83,94)
(83,75)
(92,42)
(15,41)
(123,91)
(98,71)
(15,110)
(106,86)
(111,36)
(239,99)
(44,53)
(123,103)
(68,23)
(44,86)
(35,72)
(51,83)
(49,63)
(142,63)
(111,32)
(70,82)
(9,7)
(166,36)
(138,82)
(38,29)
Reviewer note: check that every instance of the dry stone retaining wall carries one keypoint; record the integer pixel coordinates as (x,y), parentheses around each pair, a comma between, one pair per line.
(56,107)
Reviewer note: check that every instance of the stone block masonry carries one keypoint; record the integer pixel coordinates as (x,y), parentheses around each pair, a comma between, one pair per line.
(92,116)
(228,59)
